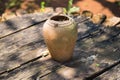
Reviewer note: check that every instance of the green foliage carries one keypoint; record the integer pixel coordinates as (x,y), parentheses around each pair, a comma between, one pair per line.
(70,3)
(64,10)
(12,3)
(71,8)
(118,3)
(97,65)
(42,5)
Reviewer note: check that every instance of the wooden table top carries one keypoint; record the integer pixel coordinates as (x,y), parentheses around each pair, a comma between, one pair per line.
(24,55)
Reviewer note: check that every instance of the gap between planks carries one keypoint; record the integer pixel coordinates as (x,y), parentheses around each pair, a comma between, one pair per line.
(17,24)
(23,29)
(27,62)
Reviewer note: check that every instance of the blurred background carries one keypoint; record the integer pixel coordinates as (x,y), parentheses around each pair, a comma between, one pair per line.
(108,7)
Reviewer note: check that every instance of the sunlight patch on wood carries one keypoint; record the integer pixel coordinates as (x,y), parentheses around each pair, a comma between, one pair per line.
(67,72)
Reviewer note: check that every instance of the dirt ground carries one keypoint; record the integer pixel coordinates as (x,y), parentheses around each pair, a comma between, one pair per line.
(107,7)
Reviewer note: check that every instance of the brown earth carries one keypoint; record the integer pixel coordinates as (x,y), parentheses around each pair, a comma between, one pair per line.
(107,7)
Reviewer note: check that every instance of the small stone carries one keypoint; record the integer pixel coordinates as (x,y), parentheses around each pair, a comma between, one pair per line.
(103,65)
(87,13)
(59,10)
(7,16)
(97,18)
(45,53)
(48,10)
(21,12)
(114,50)
(45,10)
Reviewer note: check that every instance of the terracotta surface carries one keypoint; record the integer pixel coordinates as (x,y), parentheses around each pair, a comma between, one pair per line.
(60,34)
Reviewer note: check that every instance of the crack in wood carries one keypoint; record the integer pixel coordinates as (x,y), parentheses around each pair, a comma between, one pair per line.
(9,70)
(55,69)
(97,28)
(93,76)
(32,60)
(23,28)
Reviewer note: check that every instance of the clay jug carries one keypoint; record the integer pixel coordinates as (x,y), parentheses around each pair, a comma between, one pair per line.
(60,34)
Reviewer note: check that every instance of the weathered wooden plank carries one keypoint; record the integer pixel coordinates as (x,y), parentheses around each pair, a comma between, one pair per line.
(80,67)
(112,74)
(12,47)
(17,48)
(31,70)
(19,44)
(15,24)
(90,55)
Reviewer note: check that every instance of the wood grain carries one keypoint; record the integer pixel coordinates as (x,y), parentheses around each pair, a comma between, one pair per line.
(14,35)
(15,24)
(19,44)
(112,74)
(91,54)
(12,47)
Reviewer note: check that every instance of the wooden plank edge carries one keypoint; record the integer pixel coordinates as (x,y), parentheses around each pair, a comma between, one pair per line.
(96,74)
(28,18)
(23,28)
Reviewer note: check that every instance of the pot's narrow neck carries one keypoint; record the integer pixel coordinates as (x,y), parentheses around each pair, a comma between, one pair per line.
(60,20)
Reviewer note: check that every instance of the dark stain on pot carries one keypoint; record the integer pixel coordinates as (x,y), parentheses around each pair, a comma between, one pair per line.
(55,25)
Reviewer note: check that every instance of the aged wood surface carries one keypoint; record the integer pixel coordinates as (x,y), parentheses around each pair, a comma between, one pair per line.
(16,46)
(20,54)
(112,74)
(15,24)
(94,54)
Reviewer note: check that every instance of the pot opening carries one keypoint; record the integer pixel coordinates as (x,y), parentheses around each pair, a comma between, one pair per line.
(59,18)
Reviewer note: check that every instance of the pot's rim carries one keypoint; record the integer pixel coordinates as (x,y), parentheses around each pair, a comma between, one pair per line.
(68,20)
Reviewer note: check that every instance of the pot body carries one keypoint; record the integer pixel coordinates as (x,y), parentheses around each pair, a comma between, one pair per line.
(60,37)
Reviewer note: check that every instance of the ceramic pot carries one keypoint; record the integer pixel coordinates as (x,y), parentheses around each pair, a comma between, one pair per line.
(60,34)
